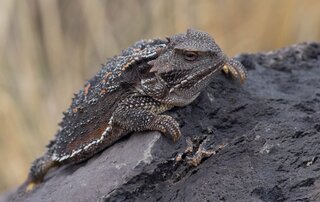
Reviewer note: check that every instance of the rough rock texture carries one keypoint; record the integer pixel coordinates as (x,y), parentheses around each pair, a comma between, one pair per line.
(271,127)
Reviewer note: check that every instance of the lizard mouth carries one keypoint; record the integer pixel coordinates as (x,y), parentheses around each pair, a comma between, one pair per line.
(198,77)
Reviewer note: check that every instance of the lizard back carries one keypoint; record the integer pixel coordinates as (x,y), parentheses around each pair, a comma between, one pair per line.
(86,126)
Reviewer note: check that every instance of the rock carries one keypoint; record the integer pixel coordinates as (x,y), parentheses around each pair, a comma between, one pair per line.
(271,128)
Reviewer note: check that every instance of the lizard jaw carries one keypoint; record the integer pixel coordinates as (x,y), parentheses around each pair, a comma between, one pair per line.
(182,97)
(202,75)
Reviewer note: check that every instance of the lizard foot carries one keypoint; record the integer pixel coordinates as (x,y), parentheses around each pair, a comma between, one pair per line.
(236,70)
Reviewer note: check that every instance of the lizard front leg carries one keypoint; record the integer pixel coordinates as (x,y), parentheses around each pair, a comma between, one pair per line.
(140,113)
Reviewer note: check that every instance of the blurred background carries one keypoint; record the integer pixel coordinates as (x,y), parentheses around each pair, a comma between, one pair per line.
(49,48)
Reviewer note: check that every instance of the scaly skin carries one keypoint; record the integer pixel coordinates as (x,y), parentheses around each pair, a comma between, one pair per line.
(129,94)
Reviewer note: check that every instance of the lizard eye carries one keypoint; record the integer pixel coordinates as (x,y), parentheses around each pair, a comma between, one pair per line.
(190,55)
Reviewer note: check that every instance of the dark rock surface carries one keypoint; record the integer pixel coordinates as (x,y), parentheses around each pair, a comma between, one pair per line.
(271,127)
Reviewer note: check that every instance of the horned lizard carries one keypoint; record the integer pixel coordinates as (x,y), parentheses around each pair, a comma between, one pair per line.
(130,92)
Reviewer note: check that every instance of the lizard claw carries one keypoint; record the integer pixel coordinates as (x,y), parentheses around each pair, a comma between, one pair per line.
(236,70)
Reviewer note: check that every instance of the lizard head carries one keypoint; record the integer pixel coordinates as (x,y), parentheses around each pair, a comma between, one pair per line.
(183,68)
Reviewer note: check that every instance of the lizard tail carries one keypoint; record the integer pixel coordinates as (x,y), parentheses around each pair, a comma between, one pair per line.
(38,170)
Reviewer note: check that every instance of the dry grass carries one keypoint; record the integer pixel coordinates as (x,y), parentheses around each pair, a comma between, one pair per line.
(49,48)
